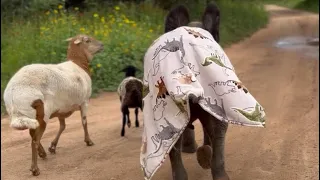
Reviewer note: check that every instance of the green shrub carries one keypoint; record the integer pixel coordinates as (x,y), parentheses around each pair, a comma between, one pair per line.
(126,30)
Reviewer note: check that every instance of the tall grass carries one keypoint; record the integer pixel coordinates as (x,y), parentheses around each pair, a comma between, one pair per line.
(126,30)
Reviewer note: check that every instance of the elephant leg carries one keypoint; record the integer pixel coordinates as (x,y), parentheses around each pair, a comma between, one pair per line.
(215,130)
(178,170)
(218,142)
(189,144)
(204,152)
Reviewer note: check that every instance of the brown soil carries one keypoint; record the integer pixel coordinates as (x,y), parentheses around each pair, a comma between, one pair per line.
(285,82)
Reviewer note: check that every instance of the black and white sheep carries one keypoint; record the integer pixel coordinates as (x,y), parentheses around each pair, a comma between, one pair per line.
(39,92)
(130,93)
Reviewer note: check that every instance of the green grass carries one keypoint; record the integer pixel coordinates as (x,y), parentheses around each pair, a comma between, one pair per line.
(126,31)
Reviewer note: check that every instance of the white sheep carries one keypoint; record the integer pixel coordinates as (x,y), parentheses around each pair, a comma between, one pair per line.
(39,92)
(130,93)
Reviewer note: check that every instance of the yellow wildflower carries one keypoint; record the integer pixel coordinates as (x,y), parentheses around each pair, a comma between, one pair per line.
(102,20)
(48,12)
(151,30)
(134,25)
(55,11)
(96,32)
(98,65)
(60,6)
(95,15)
(127,21)
(117,8)
(82,29)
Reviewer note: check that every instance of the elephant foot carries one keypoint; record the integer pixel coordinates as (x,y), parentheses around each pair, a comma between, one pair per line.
(204,155)
(180,174)
(189,144)
(224,176)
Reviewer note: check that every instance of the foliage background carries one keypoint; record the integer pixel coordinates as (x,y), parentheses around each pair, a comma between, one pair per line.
(33,31)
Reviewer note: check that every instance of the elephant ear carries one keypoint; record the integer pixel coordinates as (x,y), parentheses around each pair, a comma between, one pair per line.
(211,20)
(177,17)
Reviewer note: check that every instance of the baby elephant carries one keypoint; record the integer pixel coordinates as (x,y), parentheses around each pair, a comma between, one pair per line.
(211,154)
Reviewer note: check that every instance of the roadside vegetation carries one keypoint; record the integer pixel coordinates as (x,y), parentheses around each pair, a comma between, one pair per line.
(36,34)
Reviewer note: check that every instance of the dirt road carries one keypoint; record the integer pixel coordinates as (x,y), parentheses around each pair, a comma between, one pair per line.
(284,81)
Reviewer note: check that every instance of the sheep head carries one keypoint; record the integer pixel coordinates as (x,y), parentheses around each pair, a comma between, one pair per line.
(89,45)
(130,70)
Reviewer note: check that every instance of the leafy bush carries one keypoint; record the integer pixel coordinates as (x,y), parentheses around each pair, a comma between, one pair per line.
(126,30)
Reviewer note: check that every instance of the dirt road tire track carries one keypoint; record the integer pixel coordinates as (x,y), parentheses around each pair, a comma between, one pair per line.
(284,82)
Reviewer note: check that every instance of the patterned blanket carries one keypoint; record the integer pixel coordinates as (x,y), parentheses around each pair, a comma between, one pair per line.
(181,62)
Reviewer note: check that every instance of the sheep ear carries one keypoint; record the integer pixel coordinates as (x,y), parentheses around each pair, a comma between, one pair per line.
(77,41)
(177,17)
(211,20)
(69,39)
(123,70)
(85,38)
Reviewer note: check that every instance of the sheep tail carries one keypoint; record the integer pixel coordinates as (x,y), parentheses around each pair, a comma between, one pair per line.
(23,122)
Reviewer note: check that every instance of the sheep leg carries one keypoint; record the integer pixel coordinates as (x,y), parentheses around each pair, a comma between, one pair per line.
(36,147)
(128,118)
(36,135)
(41,152)
(124,110)
(54,143)
(178,170)
(136,111)
(83,111)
